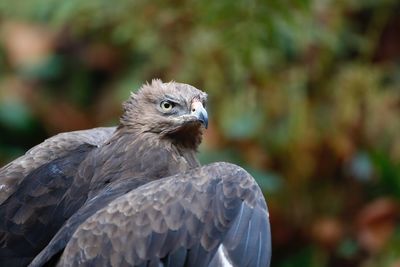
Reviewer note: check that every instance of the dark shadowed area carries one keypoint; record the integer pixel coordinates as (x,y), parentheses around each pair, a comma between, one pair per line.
(305,95)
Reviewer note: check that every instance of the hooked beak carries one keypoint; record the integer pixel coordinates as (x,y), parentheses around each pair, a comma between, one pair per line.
(199,112)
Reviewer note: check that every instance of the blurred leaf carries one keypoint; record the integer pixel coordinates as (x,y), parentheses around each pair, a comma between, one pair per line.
(268,181)
(348,248)
(389,174)
(361,167)
(47,69)
(240,117)
(15,115)
(227,155)
(306,256)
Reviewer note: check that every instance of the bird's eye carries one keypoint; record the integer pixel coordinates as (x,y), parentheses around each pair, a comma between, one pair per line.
(166,105)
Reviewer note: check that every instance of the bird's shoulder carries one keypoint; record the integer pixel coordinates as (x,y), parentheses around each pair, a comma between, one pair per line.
(60,145)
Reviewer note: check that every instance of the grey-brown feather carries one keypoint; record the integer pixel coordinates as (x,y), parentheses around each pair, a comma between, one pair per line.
(192,212)
(55,147)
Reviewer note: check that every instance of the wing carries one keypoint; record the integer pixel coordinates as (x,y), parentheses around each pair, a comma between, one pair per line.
(36,210)
(33,193)
(57,146)
(182,220)
(57,244)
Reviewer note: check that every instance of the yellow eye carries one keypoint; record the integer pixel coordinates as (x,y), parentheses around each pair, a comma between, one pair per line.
(166,105)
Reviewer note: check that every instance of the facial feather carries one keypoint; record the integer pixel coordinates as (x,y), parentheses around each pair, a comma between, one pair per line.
(143,112)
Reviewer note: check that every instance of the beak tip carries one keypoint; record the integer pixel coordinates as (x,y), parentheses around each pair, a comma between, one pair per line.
(200,112)
(203,120)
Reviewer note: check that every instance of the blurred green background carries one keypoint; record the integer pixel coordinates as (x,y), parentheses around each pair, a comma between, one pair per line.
(303,94)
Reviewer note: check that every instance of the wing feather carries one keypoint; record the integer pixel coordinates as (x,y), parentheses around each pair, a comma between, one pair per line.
(30,218)
(178,221)
(55,147)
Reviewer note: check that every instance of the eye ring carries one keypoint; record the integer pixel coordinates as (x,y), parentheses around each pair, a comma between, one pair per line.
(166,105)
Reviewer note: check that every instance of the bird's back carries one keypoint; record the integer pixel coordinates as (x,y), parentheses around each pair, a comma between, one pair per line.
(12,174)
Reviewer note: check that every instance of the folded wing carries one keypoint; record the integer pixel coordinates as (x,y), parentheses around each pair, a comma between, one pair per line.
(190,219)
(55,147)
(32,188)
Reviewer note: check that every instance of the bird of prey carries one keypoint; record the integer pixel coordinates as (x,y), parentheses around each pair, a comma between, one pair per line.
(133,195)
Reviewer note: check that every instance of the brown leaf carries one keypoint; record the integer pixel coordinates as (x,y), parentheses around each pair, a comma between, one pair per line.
(27,44)
(376,223)
(327,232)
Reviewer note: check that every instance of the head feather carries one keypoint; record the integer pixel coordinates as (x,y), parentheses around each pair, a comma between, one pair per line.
(140,110)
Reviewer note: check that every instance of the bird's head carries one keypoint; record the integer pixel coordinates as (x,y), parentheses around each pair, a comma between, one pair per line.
(172,110)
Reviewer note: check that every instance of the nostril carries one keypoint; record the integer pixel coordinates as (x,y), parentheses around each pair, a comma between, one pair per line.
(193,110)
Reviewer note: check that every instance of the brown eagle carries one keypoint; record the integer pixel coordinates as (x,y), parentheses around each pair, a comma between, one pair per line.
(133,195)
